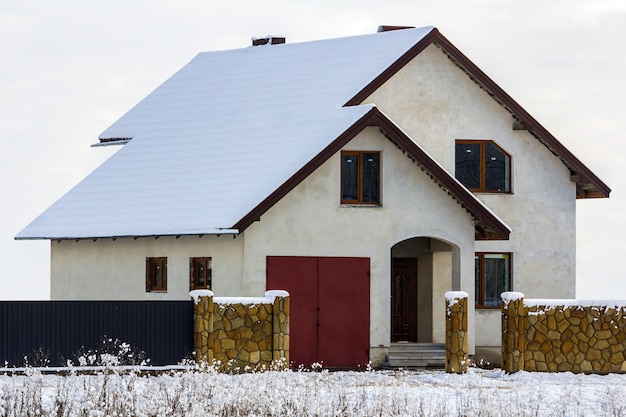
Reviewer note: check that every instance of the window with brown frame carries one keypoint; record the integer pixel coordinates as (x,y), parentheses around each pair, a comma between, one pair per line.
(482,166)
(360,177)
(156,274)
(492,278)
(200,273)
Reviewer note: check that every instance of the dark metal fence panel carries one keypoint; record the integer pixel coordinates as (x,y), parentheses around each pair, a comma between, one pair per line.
(60,330)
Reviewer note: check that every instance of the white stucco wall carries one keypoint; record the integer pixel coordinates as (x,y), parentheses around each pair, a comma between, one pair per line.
(110,269)
(310,221)
(442,264)
(437,103)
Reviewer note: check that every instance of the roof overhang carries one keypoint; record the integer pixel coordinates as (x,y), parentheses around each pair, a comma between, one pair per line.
(199,233)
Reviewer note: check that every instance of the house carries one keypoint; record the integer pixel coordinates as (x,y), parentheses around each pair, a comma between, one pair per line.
(366,175)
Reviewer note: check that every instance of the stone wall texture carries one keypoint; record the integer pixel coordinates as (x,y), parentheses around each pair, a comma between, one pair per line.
(542,335)
(456,332)
(203,329)
(244,335)
(514,324)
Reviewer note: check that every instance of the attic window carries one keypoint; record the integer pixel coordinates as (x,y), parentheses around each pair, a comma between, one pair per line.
(482,166)
(360,177)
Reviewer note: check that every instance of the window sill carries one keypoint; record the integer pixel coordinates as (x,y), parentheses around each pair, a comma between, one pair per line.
(362,205)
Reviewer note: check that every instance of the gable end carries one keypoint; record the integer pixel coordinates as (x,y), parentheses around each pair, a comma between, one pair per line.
(588,185)
(488,225)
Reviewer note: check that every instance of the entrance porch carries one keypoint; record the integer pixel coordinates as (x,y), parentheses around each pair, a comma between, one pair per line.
(423,269)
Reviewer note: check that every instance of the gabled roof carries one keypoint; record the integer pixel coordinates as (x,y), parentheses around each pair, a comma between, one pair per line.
(228,135)
(219,136)
(487,223)
(588,185)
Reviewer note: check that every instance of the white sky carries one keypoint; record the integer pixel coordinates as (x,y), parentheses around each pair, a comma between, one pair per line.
(70,68)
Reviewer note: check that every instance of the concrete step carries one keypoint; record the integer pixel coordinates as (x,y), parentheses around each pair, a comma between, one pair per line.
(415,355)
(415,364)
(410,345)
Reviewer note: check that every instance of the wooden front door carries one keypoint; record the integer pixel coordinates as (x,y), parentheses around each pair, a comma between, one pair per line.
(404,300)
(329,308)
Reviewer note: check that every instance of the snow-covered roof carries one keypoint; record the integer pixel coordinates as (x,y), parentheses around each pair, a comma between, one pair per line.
(217,138)
(249,88)
(252,116)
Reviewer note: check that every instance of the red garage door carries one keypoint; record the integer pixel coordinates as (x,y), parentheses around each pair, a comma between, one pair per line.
(329,308)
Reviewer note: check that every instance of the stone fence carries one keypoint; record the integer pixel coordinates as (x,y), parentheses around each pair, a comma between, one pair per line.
(242,332)
(563,335)
(456,332)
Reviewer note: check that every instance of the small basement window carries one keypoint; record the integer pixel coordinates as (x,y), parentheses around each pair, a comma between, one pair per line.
(156,274)
(200,273)
(482,166)
(360,177)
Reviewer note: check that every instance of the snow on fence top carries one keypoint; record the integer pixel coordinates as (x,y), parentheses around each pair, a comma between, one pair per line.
(551,303)
(196,294)
(593,304)
(453,296)
(276,293)
(270,297)
(509,296)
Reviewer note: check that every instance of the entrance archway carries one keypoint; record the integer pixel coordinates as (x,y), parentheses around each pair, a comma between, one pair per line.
(422,270)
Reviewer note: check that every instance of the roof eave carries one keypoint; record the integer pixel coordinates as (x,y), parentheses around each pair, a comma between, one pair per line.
(216,232)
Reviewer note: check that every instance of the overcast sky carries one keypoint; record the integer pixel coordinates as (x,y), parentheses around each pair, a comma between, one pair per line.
(70,68)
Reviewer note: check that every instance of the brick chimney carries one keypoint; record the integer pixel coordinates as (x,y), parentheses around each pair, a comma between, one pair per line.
(272,40)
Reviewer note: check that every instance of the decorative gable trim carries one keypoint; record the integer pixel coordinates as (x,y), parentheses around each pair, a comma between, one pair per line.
(588,185)
(487,223)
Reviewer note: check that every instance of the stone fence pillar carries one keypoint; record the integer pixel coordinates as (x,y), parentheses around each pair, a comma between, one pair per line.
(280,325)
(203,326)
(513,331)
(456,332)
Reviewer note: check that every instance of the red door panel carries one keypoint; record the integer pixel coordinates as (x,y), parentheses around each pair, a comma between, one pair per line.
(329,308)
(298,276)
(344,303)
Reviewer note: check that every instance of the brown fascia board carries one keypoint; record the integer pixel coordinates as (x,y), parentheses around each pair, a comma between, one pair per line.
(374,117)
(588,185)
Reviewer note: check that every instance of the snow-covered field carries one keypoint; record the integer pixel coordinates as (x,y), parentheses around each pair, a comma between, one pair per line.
(114,392)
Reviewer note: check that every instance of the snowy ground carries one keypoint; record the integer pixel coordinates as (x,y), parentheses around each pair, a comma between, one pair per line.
(377,393)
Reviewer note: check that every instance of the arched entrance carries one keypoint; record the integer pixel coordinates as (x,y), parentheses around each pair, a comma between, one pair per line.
(422,270)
